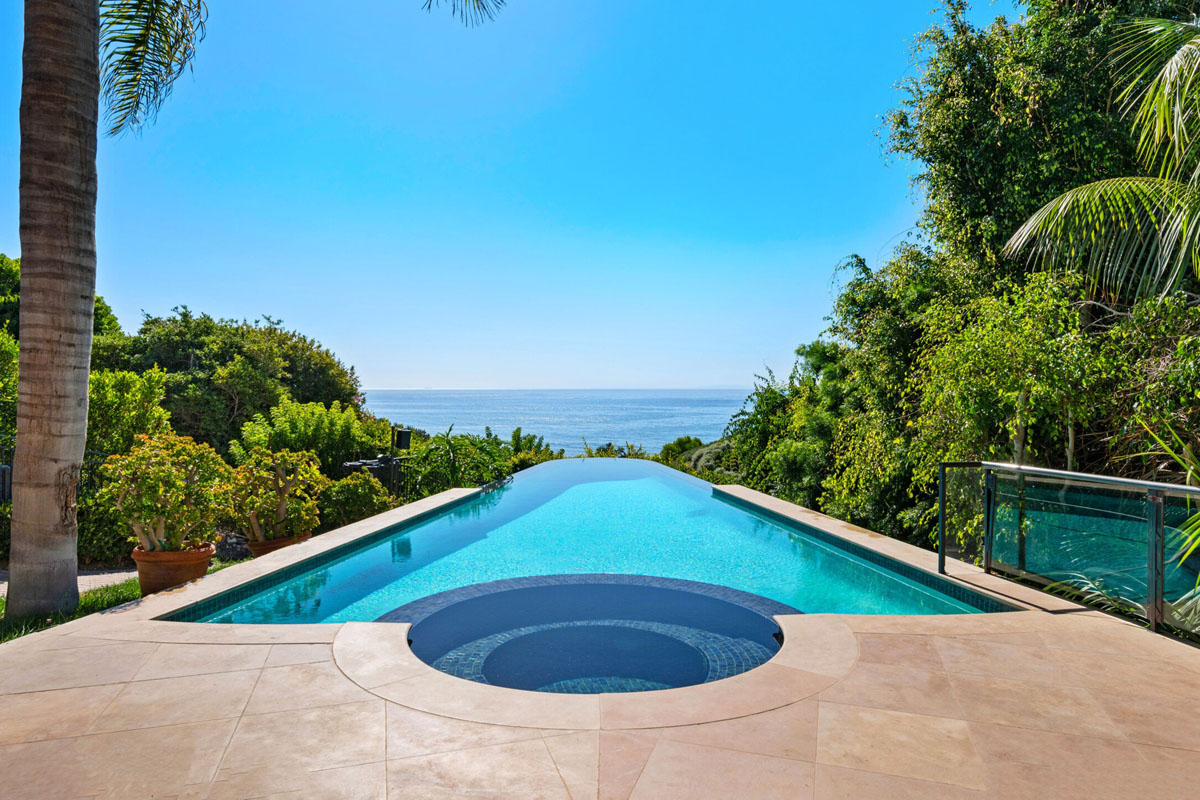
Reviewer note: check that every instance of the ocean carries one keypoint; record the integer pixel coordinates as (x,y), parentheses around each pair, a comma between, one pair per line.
(565,417)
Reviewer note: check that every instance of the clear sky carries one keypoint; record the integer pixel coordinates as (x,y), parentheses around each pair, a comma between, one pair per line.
(595,193)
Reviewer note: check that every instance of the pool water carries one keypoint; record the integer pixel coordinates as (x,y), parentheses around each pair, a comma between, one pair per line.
(579,516)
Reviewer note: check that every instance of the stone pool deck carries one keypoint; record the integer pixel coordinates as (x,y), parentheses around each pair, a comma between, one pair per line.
(1051,701)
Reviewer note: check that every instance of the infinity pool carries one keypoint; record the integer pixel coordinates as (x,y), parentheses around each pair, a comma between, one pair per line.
(579,516)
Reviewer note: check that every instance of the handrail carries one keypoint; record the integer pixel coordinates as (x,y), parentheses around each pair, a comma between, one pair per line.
(1082,477)
(1154,494)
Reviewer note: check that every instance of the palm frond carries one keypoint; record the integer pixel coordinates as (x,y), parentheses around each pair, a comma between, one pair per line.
(145,45)
(1158,61)
(471,12)
(1133,236)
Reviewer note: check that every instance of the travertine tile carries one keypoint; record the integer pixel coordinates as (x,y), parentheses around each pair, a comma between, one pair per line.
(817,643)
(577,756)
(891,686)
(416,733)
(1153,717)
(303,686)
(356,782)
(310,738)
(623,756)
(176,660)
(1029,704)
(284,655)
(439,693)
(840,783)
(125,764)
(907,650)
(911,745)
(788,732)
(173,701)
(1114,671)
(678,769)
(375,654)
(52,715)
(517,770)
(761,689)
(1013,661)
(69,642)
(65,669)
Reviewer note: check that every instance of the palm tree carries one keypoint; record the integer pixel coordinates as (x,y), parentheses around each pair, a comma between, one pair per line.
(1137,236)
(133,50)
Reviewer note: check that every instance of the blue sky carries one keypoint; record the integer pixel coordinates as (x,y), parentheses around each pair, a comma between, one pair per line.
(600,193)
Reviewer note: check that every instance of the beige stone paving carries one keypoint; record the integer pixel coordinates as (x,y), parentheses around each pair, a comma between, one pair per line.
(1060,702)
(916,715)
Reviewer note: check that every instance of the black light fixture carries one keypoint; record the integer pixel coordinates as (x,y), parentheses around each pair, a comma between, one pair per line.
(401,437)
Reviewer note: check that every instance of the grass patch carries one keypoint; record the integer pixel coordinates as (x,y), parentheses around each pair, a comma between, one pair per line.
(90,602)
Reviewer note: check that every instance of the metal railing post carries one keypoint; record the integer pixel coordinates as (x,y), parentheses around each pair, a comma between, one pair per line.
(941,568)
(989,515)
(1154,558)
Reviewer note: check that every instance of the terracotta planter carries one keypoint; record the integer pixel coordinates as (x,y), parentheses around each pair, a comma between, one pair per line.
(271,545)
(158,570)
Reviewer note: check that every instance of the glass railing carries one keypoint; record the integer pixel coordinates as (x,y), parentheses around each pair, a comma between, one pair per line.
(1124,545)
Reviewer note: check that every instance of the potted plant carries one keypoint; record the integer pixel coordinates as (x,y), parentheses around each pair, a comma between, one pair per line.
(273,498)
(170,491)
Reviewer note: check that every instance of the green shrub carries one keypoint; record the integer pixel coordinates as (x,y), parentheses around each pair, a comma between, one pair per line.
(122,405)
(335,434)
(357,496)
(273,495)
(169,491)
(103,535)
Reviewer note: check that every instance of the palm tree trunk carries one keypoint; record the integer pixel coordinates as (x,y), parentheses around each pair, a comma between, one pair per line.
(60,93)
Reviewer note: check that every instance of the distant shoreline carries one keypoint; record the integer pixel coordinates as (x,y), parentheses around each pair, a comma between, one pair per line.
(649,418)
(746,389)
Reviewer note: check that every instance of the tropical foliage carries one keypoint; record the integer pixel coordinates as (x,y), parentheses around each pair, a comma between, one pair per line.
(335,433)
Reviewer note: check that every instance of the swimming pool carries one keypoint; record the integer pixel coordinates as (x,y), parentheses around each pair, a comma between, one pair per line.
(587,516)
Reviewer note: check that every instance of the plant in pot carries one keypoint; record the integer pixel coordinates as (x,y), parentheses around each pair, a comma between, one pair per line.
(170,491)
(273,498)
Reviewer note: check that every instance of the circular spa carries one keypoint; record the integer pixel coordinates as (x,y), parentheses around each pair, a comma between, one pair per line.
(588,634)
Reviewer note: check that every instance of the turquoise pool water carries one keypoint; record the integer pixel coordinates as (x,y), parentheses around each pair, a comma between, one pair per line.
(594,516)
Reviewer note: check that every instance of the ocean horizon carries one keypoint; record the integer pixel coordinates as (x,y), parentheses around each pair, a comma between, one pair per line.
(566,417)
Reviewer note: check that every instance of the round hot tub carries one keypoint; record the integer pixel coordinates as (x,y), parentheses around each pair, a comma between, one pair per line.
(588,634)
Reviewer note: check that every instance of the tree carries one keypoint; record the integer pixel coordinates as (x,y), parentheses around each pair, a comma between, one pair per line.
(103,318)
(1003,117)
(1003,378)
(133,50)
(1137,235)
(221,373)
